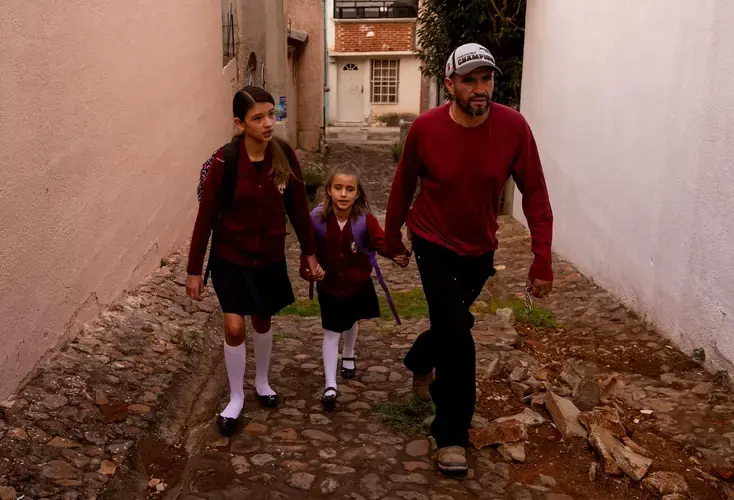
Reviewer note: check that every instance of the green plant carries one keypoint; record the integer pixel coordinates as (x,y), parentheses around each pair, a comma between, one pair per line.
(539,316)
(314,174)
(302,308)
(410,304)
(699,355)
(397,151)
(406,417)
(191,340)
(496,24)
(278,336)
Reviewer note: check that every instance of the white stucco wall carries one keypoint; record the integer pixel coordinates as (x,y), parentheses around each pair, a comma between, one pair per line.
(632,105)
(409,90)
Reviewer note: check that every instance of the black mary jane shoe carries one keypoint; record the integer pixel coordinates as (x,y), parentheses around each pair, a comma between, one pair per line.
(227,426)
(349,373)
(329,402)
(269,401)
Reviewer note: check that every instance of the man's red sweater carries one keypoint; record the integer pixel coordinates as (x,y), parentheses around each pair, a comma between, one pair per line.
(252,231)
(462,173)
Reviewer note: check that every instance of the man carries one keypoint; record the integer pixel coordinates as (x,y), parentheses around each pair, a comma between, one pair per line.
(463,153)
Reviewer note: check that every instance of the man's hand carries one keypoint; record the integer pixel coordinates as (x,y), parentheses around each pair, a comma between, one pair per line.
(315,272)
(194,286)
(539,288)
(402,260)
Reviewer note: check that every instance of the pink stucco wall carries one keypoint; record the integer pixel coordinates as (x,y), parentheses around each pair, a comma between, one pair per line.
(107,110)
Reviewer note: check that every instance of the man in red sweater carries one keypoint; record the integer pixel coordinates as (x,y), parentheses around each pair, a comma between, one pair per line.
(463,153)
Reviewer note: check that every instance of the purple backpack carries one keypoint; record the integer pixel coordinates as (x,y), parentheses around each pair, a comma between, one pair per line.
(362,240)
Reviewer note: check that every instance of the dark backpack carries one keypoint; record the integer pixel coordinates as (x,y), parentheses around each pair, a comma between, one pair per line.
(231,161)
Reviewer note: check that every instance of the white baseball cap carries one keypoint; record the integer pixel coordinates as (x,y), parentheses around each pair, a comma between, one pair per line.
(469,57)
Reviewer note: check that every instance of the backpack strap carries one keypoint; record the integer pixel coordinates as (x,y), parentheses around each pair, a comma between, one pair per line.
(319,227)
(231,164)
(317,218)
(362,239)
(229,186)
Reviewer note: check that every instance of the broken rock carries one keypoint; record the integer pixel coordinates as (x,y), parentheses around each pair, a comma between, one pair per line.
(565,416)
(528,417)
(610,387)
(520,389)
(606,418)
(636,447)
(666,483)
(633,464)
(510,431)
(703,389)
(586,394)
(7,493)
(519,374)
(492,369)
(513,451)
(604,442)
(593,471)
(570,376)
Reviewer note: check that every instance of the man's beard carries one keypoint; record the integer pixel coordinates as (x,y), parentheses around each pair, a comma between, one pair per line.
(472,111)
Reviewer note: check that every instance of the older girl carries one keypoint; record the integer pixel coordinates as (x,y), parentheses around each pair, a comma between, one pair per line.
(252,183)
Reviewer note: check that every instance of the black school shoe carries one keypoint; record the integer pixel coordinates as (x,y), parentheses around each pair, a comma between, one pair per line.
(329,402)
(349,373)
(269,401)
(227,426)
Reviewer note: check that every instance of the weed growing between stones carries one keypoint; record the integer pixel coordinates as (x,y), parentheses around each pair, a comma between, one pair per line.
(278,336)
(410,304)
(539,317)
(406,416)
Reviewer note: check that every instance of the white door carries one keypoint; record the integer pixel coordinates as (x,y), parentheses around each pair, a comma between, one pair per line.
(350,98)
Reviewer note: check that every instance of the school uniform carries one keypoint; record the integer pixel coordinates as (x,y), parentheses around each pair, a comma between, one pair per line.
(347,293)
(248,264)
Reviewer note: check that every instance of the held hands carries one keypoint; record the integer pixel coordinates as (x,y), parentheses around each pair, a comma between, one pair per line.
(314,271)
(539,288)
(194,286)
(402,260)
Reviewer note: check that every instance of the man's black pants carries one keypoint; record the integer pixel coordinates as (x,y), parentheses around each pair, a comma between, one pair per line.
(451,284)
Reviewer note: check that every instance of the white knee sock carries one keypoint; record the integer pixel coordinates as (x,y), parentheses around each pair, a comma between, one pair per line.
(330,352)
(263,343)
(234,359)
(350,338)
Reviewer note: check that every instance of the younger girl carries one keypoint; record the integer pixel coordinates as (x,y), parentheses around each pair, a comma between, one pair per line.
(251,184)
(347,294)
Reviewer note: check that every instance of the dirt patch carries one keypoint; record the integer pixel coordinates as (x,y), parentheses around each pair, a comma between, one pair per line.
(550,345)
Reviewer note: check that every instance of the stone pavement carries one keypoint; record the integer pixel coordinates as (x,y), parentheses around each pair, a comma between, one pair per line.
(126,410)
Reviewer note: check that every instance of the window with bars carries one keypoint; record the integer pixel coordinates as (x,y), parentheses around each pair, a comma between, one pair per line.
(385,79)
(229,31)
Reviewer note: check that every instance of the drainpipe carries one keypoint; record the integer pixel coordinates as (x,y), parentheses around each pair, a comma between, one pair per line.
(325,116)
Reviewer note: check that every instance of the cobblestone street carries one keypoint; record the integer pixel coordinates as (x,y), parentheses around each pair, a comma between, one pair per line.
(126,410)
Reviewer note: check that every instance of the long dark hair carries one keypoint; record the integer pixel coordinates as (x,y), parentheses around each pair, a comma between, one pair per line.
(244,100)
(361,205)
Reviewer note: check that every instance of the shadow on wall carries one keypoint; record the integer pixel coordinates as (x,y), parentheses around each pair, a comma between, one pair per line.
(391,119)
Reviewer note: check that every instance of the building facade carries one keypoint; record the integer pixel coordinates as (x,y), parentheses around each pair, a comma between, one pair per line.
(373,73)
(108,111)
(632,106)
(306,72)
